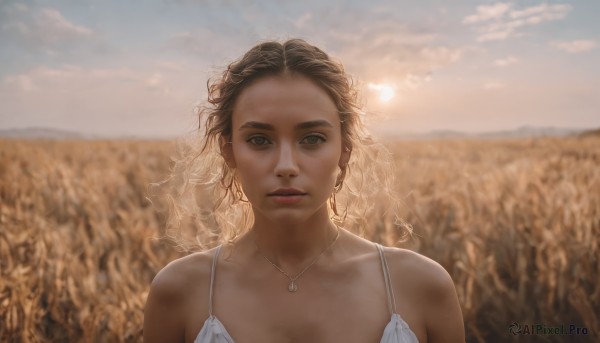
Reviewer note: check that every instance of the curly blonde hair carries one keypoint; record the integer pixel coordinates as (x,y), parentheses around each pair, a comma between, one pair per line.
(205,204)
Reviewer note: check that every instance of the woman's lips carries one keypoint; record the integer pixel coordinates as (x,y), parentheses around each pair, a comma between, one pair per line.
(287,195)
(287,191)
(287,199)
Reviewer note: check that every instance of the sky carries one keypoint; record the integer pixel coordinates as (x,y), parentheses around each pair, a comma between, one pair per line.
(139,68)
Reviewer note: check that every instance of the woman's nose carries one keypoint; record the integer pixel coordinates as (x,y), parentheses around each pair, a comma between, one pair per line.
(286,164)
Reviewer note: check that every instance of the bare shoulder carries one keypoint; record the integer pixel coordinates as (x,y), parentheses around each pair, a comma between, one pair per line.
(178,275)
(433,291)
(170,292)
(414,268)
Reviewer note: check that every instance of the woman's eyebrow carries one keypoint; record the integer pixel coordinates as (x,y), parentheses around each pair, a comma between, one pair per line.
(300,126)
(256,125)
(313,124)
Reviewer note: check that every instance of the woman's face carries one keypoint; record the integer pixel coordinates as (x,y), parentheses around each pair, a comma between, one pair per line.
(285,134)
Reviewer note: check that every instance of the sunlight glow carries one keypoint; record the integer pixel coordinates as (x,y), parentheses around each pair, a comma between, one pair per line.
(386,92)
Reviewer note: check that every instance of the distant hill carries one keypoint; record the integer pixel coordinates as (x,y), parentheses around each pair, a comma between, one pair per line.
(528,131)
(57,134)
(42,133)
(522,132)
(590,133)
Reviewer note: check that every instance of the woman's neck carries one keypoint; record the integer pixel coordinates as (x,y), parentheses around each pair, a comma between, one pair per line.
(293,245)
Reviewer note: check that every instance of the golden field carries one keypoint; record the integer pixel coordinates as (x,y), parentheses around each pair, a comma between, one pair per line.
(515,222)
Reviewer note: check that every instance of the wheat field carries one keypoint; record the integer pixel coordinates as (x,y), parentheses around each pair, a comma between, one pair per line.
(515,222)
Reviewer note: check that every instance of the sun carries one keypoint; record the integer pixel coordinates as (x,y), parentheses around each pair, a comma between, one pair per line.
(386,92)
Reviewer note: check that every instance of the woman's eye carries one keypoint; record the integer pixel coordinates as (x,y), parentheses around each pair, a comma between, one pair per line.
(257,140)
(314,139)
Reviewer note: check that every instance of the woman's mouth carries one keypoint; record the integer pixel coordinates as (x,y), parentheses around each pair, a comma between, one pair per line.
(287,192)
(287,198)
(287,195)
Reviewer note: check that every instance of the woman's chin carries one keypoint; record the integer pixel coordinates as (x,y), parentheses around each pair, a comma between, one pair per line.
(287,216)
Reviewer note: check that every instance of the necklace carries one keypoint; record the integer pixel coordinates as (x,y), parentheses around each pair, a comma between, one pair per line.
(293,286)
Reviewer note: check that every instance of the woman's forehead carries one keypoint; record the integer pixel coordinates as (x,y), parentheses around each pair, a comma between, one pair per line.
(284,100)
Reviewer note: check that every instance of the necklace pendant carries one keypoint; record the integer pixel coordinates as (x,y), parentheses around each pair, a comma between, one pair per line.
(293,287)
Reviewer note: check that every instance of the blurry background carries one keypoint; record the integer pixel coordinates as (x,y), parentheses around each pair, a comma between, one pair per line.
(491,110)
(132,68)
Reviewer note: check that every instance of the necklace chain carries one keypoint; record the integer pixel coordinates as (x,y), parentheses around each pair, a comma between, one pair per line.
(293,286)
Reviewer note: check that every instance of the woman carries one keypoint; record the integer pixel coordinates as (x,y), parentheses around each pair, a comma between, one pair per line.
(287,124)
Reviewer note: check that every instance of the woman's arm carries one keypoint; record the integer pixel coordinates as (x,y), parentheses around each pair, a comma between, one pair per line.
(163,314)
(443,315)
(178,295)
(431,292)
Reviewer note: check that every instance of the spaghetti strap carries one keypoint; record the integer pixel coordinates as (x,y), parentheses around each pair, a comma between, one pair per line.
(212,280)
(388,283)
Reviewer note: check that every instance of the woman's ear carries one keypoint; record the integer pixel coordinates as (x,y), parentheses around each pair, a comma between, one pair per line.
(345,157)
(227,151)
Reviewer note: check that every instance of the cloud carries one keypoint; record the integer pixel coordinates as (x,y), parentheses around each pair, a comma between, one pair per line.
(67,79)
(302,20)
(440,56)
(155,82)
(503,62)
(388,51)
(40,28)
(544,11)
(76,80)
(494,85)
(488,12)
(501,21)
(171,66)
(21,83)
(575,46)
(415,81)
(208,44)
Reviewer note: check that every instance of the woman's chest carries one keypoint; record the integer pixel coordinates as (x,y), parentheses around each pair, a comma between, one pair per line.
(339,318)
(321,310)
